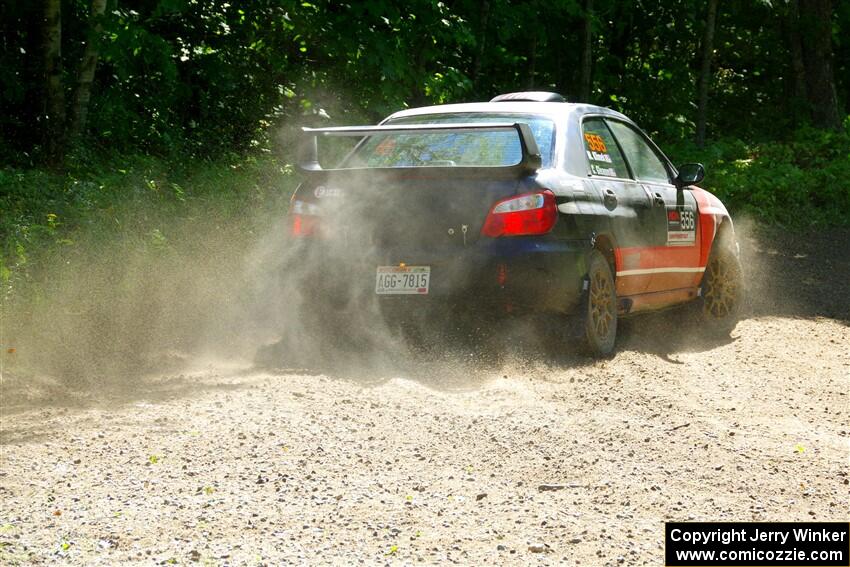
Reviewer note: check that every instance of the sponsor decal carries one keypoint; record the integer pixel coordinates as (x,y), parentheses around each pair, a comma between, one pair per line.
(322,191)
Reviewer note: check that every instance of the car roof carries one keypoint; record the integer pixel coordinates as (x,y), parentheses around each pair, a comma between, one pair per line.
(557,110)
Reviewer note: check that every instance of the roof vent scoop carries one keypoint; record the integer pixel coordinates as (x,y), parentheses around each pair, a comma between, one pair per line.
(530,96)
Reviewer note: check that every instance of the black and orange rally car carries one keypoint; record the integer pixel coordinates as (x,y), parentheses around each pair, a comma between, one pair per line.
(523,204)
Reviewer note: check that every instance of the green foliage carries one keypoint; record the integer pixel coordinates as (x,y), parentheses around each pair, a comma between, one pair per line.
(178,77)
(191,99)
(802,182)
(133,200)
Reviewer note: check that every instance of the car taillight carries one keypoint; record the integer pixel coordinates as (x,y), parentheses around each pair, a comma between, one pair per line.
(531,213)
(304,220)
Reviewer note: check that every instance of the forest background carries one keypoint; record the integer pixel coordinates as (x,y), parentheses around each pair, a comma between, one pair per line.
(165,128)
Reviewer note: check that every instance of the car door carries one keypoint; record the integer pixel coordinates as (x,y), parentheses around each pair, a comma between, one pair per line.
(675,236)
(628,204)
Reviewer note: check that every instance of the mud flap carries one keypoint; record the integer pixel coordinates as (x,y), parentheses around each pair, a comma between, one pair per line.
(574,329)
(575,332)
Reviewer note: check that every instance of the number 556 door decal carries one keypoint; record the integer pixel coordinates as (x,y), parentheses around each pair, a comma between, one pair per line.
(681,226)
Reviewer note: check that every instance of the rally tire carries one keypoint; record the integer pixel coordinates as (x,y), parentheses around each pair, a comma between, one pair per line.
(600,317)
(718,307)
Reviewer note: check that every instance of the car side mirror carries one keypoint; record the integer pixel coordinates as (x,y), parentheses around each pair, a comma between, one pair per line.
(690,174)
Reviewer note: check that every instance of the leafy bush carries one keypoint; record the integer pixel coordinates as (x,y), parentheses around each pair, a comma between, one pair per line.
(136,200)
(800,182)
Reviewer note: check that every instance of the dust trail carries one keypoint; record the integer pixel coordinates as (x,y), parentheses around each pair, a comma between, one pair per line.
(111,311)
(244,291)
(238,290)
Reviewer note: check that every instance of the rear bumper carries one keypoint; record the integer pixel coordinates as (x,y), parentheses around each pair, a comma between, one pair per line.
(525,274)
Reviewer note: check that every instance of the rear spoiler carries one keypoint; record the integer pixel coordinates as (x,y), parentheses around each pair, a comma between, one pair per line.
(531,160)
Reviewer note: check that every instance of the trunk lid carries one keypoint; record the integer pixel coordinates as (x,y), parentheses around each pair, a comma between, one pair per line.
(426,210)
(423,188)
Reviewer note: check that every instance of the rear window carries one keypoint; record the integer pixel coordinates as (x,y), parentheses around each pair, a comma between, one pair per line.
(410,149)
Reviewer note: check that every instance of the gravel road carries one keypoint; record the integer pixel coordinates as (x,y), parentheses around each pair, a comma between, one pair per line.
(534,460)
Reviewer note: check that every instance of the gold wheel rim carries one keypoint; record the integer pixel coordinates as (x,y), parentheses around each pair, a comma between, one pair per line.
(720,293)
(601,305)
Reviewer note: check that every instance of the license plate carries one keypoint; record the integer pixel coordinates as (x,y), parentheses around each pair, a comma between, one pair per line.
(395,280)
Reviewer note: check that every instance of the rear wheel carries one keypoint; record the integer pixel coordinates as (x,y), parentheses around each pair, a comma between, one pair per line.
(721,292)
(601,317)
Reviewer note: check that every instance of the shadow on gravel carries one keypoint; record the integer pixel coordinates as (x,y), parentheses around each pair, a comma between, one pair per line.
(804,274)
(665,334)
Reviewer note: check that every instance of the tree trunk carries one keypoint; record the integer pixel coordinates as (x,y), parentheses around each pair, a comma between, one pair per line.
(477,62)
(795,47)
(816,36)
(622,33)
(79,112)
(54,95)
(532,63)
(586,53)
(705,71)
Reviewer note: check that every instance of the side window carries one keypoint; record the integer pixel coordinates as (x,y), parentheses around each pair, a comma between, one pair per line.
(646,164)
(603,155)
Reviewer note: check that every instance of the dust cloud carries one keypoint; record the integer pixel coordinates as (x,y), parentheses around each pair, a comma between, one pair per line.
(208,292)
(242,292)
(115,309)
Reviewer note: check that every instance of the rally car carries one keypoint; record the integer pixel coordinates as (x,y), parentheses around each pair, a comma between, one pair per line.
(524,204)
